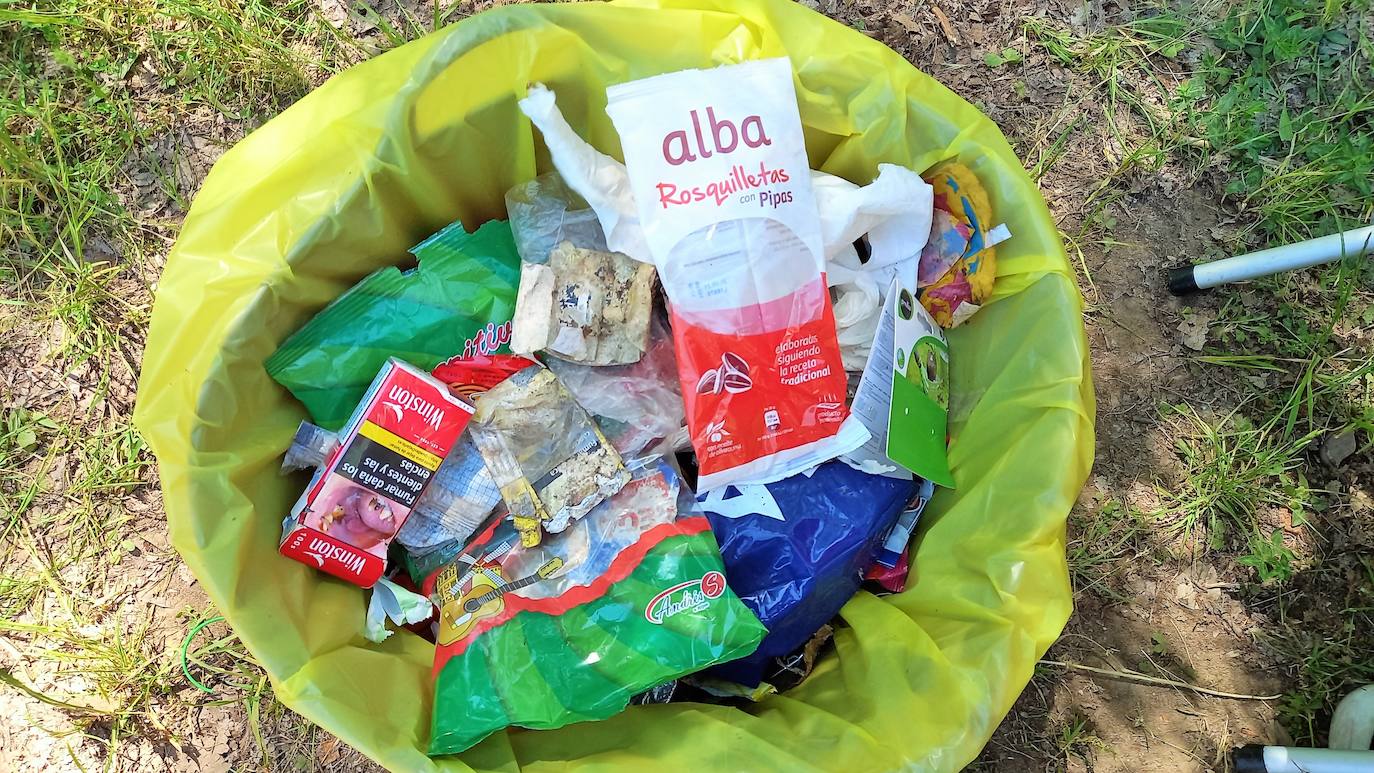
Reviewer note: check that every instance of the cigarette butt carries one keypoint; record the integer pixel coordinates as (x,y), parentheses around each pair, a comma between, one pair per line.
(944,24)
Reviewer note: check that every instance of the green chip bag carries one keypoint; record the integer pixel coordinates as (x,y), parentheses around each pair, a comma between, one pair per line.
(457,302)
(631,596)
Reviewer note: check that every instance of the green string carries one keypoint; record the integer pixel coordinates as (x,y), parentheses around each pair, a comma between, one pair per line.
(186,647)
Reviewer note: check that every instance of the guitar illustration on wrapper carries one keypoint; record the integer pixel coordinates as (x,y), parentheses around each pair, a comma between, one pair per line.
(484,598)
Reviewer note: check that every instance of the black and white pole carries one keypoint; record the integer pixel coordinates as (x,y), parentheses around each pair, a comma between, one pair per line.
(1352,733)
(1291,759)
(1189,279)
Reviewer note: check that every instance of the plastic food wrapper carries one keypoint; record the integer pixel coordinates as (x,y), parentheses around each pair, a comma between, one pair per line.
(966,282)
(628,598)
(310,448)
(717,163)
(458,301)
(392,602)
(549,458)
(584,305)
(386,459)
(342,182)
(949,239)
(892,564)
(796,550)
(544,212)
(891,580)
(895,542)
(471,375)
(638,407)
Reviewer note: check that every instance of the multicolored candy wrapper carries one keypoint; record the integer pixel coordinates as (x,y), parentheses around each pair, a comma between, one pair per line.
(949,238)
(962,217)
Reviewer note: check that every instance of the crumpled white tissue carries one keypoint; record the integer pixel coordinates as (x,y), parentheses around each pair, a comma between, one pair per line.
(596,177)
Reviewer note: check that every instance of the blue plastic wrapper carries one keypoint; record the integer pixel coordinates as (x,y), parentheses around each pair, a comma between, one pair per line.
(796,550)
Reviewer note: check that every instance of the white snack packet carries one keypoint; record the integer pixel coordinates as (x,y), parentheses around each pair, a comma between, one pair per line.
(717,167)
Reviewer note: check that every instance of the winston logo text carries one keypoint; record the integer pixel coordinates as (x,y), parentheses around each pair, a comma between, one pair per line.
(406,400)
(320,550)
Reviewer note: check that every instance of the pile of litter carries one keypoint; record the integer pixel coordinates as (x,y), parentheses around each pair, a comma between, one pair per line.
(640,442)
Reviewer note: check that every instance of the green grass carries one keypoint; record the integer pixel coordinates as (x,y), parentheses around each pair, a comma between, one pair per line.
(89,85)
(1076,739)
(1101,544)
(1292,84)
(1274,97)
(1270,103)
(1148,105)
(96,100)
(1232,469)
(1327,665)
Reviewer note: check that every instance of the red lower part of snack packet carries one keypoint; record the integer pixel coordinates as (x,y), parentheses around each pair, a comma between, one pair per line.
(753,397)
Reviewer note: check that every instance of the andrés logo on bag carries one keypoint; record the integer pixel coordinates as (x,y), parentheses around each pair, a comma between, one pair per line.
(690,596)
(718,167)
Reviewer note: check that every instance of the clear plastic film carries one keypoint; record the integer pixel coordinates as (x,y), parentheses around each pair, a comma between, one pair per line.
(309,448)
(548,457)
(638,406)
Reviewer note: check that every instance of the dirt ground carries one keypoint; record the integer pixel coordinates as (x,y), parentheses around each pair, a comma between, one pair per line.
(1146,604)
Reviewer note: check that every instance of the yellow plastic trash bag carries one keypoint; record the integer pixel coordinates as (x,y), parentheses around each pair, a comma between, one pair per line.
(391,150)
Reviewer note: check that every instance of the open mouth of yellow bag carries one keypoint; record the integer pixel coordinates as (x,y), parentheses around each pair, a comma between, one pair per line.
(389,151)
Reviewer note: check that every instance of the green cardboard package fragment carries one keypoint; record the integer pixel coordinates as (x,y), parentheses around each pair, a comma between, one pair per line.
(903,395)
